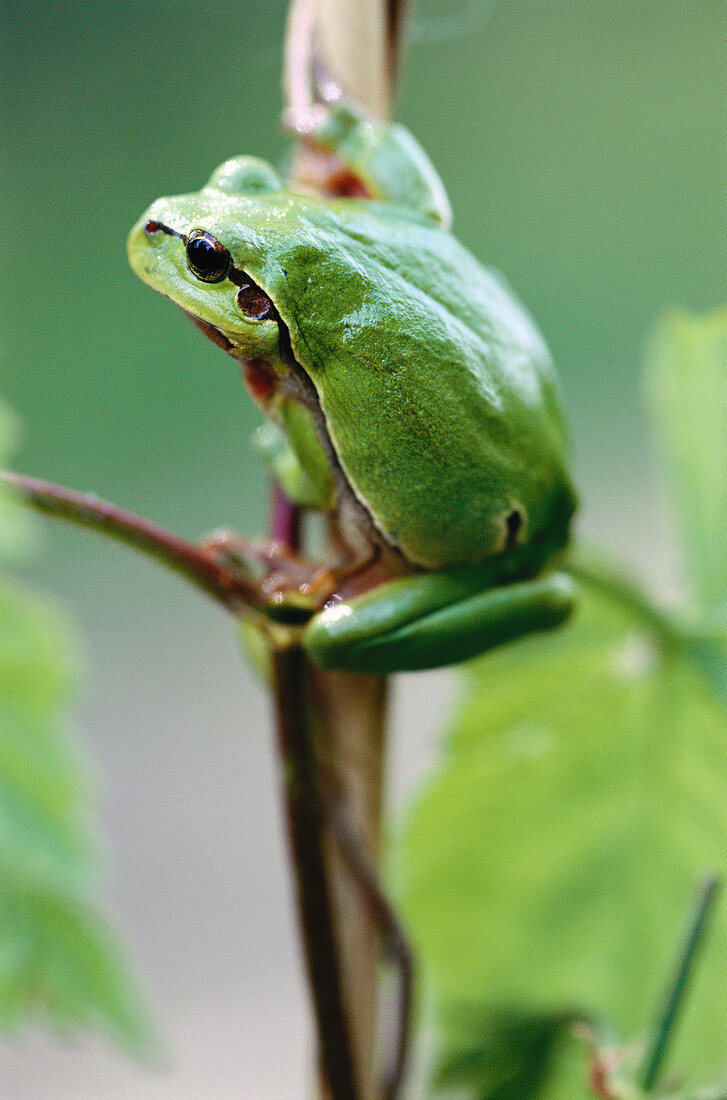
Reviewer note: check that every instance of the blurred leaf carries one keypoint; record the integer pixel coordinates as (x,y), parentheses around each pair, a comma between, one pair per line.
(548,865)
(686,383)
(58,955)
(501,1056)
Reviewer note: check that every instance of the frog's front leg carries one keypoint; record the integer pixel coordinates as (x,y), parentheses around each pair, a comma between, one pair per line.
(433,619)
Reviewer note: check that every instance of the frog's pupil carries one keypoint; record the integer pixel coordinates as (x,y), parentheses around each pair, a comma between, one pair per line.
(207,258)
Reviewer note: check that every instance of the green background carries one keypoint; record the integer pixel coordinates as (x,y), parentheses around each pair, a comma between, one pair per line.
(583,146)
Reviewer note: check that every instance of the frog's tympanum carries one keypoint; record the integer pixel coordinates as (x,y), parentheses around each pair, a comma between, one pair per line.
(414,394)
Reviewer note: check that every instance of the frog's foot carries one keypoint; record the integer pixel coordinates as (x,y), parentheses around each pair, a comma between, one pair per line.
(283,576)
(225,547)
(321,172)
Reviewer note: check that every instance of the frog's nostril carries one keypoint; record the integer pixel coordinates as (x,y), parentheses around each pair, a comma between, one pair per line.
(151,227)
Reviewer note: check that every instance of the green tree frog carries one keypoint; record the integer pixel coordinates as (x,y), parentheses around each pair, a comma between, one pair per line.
(415,396)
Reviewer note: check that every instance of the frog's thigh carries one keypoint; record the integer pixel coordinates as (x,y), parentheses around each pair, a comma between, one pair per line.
(444,636)
(387,159)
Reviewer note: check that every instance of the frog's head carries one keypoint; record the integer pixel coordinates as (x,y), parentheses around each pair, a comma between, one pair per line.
(205,251)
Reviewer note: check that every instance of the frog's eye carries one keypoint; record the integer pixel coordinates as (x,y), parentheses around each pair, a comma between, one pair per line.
(206,257)
(253,302)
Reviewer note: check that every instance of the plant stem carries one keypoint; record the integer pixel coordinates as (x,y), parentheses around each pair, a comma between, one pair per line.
(331,732)
(86,510)
(693,940)
(394,938)
(351,709)
(297,738)
(303,705)
(354,42)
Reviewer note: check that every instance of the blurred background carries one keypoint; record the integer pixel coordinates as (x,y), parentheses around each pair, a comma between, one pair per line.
(583,146)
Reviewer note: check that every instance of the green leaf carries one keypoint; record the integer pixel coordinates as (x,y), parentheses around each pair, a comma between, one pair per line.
(59,959)
(502,1055)
(686,385)
(548,865)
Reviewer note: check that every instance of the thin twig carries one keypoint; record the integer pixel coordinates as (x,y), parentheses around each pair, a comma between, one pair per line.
(392,933)
(86,510)
(674,1000)
(285,517)
(306,823)
(305,812)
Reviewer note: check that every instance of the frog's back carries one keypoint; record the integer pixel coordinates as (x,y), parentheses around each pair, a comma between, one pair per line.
(437,389)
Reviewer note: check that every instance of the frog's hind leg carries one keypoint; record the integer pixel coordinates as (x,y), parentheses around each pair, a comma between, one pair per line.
(426,622)
(351,154)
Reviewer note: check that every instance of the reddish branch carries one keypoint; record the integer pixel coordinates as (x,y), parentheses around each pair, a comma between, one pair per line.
(195,563)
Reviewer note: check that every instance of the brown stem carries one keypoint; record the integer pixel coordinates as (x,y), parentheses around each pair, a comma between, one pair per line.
(343,975)
(87,510)
(392,933)
(351,708)
(344,714)
(297,737)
